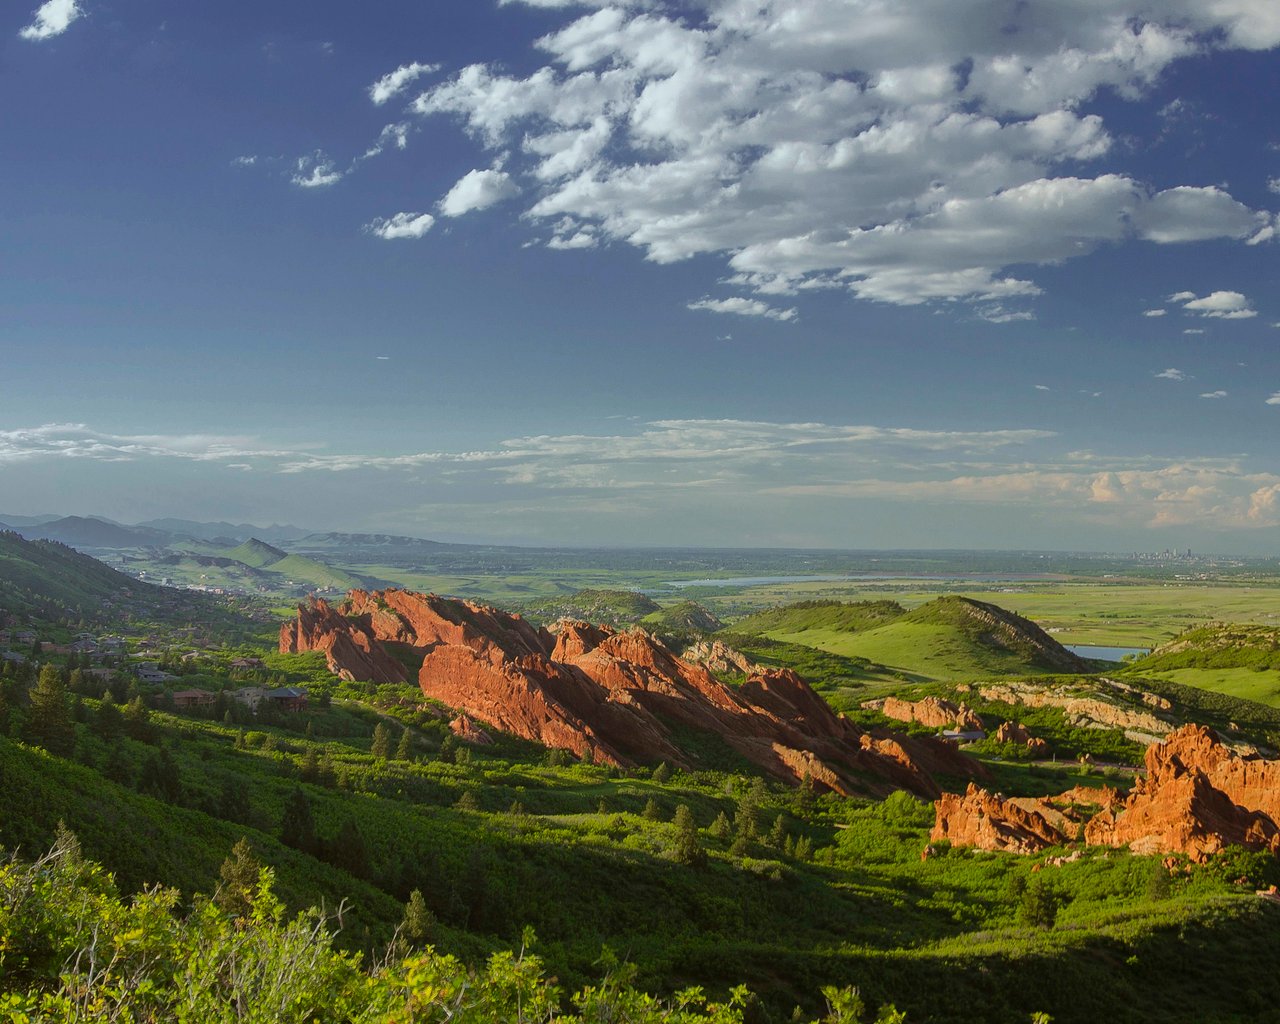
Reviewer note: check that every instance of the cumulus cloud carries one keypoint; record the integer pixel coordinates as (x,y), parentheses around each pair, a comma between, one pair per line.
(1274,399)
(1154,312)
(1223,305)
(1171,374)
(744,307)
(478,190)
(52,19)
(392,84)
(907,153)
(401,225)
(315,171)
(1213,394)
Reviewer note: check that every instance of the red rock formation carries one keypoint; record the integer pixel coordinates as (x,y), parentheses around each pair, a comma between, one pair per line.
(1016,732)
(619,695)
(990,822)
(1197,798)
(933,712)
(719,657)
(352,650)
(467,731)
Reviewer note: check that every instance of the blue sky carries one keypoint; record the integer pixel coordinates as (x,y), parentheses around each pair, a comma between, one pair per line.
(842,273)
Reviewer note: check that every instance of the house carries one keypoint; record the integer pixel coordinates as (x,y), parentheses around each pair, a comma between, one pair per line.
(964,735)
(247,663)
(151,672)
(13,656)
(288,698)
(192,699)
(24,636)
(249,696)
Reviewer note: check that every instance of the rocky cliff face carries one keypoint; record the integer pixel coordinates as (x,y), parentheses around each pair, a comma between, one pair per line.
(1197,798)
(933,712)
(990,822)
(352,649)
(622,697)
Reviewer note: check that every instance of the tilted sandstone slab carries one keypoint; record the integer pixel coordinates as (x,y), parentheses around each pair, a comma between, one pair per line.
(931,711)
(1198,797)
(620,697)
(991,822)
(352,650)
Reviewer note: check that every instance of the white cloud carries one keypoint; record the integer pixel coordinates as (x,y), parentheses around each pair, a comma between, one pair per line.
(79,441)
(1222,305)
(1213,394)
(1043,387)
(1171,374)
(478,190)
(52,19)
(823,143)
(1153,312)
(244,161)
(401,225)
(1194,330)
(1274,399)
(743,307)
(315,171)
(392,84)
(1274,185)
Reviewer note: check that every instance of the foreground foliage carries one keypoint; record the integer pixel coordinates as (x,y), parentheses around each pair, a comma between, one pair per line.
(72,950)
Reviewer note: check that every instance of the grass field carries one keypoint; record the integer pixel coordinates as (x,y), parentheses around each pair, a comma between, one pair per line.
(1245,683)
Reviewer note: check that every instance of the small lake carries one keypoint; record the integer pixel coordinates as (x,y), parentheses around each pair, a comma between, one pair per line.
(1105,653)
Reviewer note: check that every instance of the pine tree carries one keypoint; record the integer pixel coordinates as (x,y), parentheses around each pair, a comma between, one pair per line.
(467,801)
(309,770)
(651,810)
(778,834)
(603,806)
(404,749)
(239,874)
(688,847)
(418,922)
(720,828)
(298,827)
(381,742)
(747,821)
(108,723)
(662,773)
(803,849)
(51,725)
(349,851)
(137,721)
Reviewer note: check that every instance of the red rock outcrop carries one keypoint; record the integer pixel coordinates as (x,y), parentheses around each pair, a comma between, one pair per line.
(1197,798)
(990,822)
(352,650)
(1016,732)
(719,657)
(933,712)
(619,695)
(467,731)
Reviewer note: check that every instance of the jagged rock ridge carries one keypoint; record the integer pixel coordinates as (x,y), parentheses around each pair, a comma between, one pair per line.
(622,697)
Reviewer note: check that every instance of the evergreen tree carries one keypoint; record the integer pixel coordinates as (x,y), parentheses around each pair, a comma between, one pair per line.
(720,828)
(404,749)
(418,922)
(160,778)
(233,801)
(603,806)
(688,847)
(239,874)
(778,834)
(651,810)
(50,724)
(381,742)
(117,766)
(467,801)
(662,773)
(298,827)
(803,849)
(137,721)
(108,723)
(746,822)
(349,851)
(309,771)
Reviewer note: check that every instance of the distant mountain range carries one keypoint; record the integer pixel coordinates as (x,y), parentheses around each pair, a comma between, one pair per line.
(100,532)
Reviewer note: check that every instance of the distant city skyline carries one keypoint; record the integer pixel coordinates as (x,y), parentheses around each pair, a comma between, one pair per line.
(799,273)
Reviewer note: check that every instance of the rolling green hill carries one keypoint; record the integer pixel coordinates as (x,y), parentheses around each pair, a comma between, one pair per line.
(948,638)
(686,616)
(613,607)
(257,554)
(260,555)
(1237,659)
(49,580)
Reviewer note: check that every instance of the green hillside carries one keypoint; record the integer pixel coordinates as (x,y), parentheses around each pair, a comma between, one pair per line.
(500,839)
(685,616)
(256,554)
(260,555)
(948,638)
(1237,659)
(612,607)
